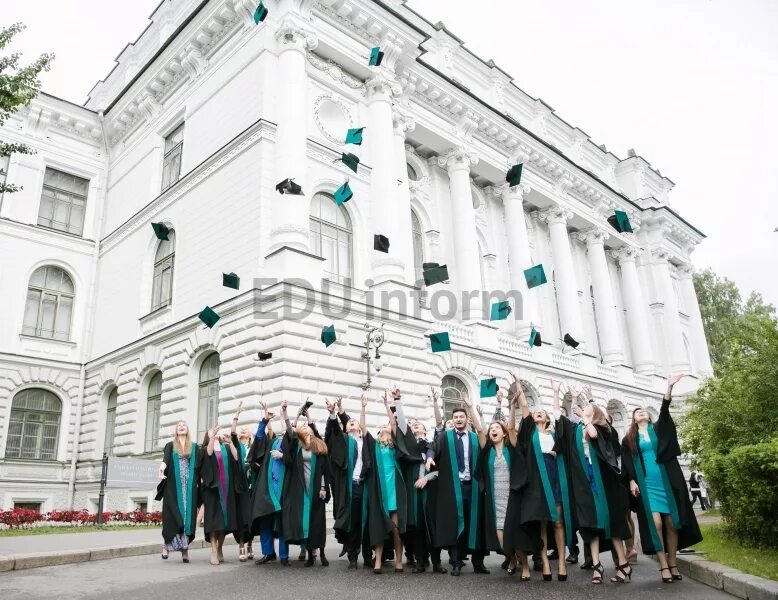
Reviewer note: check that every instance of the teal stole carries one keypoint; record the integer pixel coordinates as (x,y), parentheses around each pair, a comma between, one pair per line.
(308,495)
(351,445)
(600,501)
(185,508)
(546,482)
(224,490)
(275,497)
(381,472)
(452,455)
(507,456)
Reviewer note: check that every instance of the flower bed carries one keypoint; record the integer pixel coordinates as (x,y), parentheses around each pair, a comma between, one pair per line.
(25,518)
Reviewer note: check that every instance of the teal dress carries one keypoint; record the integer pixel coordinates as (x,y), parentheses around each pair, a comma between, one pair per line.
(386,467)
(657,495)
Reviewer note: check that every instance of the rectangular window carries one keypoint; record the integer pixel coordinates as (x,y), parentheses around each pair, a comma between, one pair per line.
(63,202)
(36,506)
(153,408)
(4,160)
(110,433)
(171,163)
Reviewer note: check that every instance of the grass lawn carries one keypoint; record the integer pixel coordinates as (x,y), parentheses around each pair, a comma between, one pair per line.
(84,529)
(720,549)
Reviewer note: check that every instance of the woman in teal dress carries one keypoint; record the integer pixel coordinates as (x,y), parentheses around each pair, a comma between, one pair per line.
(650,463)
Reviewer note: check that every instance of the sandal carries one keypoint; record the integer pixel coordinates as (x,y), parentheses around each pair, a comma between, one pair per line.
(621,574)
(164,554)
(597,573)
(632,557)
(667,579)
(242,555)
(676,576)
(185,556)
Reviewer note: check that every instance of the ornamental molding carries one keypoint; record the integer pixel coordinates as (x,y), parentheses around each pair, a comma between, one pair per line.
(555,215)
(382,87)
(626,253)
(336,72)
(457,158)
(291,36)
(660,255)
(317,118)
(685,270)
(403,122)
(594,236)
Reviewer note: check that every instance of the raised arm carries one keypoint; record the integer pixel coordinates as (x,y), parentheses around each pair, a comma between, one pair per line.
(671,381)
(402,422)
(285,415)
(436,408)
(236,418)
(474,418)
(231,445)
(555,397)
(498,411)
(211,434)
(520,394)
(362,418)
(512,433)
(389,413)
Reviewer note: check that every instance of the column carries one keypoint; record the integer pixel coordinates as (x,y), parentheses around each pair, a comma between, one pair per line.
(383,181)
(403,124)
(566,287)
(519,257)
(671,322)
(637,317)
(467,274)
(604,304)
(699,343)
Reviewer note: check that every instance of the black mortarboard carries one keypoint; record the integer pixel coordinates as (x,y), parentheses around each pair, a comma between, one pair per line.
(288,186)
(263,356)
(534,338)
(381,243)
(435,275)
(160,230)
(513,176)
(350,160)
(569,341)
(620,222)
(354,136)
(535,276)
(209,317)
(260,13)
(231,280)
(376,56)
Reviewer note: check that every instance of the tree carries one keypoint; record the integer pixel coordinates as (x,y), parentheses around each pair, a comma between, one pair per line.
(18,86)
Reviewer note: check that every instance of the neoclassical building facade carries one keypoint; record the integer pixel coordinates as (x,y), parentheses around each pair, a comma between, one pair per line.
(101,348)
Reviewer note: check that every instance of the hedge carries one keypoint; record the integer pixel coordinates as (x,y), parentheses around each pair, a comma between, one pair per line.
(25,518)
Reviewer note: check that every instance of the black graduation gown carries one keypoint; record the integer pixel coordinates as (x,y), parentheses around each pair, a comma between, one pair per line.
(379,521)
(242,494)
(262,504)
(341,467)
(667,452)
(411,452)
(168,492)
(295,519)
(220,513)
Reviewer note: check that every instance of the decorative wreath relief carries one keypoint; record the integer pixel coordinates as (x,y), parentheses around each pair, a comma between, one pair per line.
(332,118)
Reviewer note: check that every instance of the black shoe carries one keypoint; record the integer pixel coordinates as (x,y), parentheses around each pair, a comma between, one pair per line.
(324,561)
(310,561)
(572,559)
(369,564)
(587,565)
(266,559)
(418,569)
(285,562)
(343,551)
(438,568)
(301,555)
(410,562)
(480,569)
(505,563)
(456,570)
(352,564)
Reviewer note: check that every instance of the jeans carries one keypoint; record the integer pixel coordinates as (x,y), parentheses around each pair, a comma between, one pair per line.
(266,538)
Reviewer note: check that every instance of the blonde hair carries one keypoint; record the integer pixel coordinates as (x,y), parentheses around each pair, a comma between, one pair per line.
(599,417)
(186,449)
(314,444)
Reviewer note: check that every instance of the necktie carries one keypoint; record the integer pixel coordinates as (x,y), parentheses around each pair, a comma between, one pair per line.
(460,448)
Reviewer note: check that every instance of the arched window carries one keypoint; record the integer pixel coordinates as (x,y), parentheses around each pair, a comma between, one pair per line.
(208,395)
(418,247)
(34,425)
(688,351)
(452,389)
(164,260)
(153,409)
(110,422)
(49,309)
(412,174)
(331,237)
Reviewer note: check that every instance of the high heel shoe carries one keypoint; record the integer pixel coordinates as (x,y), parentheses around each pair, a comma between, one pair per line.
(667,579)
(164,554)
(621,570)
(561,576)
(597,573)
(547,577)
(676,576)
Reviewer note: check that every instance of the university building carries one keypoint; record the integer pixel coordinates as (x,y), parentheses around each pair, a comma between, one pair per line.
(101,347)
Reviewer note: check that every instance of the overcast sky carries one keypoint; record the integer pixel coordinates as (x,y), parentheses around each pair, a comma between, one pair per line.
(691,85)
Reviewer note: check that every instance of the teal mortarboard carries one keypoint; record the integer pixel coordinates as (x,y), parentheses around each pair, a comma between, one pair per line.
(534,337)
(489,387)
(231,280)
(376,56)
(570,341)
(260,13)
(354,136)
(328,336)
(620,222)
(514,175)
(381,243)
(160,230)
(535,276)
(500,311)
(209,317)
(350,160)
(435,274)
(440,342)
(343,194)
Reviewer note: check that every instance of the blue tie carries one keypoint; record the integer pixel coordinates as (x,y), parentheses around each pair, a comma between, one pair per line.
(460,447)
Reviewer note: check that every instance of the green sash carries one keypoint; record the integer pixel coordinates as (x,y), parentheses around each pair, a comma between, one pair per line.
(351,445)
(185,508)
(507,456)
(600,502)
(474,491)
(308,496)
(546,482)
(381,472)
(540,460)
(566,501)
(452,455)
(274,497)
(665,480)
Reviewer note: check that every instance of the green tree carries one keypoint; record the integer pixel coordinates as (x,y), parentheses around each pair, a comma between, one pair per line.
(18,86)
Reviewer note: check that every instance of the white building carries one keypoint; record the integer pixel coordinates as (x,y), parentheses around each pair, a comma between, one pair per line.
(101,348)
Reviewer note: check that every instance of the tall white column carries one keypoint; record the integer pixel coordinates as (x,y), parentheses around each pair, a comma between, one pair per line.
(604,304)
(699,344)
(637,315)
(566,287)
(468,263)
(676,354)
(403,124)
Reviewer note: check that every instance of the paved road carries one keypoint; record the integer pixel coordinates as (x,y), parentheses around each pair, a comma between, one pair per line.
(89,540)
(150,577)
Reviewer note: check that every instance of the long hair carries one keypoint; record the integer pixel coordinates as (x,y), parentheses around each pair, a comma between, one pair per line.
(631,439)
(314,444)
(599,417)
(186,448)
(549,425)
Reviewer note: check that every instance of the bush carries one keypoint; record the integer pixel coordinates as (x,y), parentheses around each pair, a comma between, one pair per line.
(25,518)
(746,483)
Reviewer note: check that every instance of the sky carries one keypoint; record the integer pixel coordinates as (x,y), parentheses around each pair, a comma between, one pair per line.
(691,85)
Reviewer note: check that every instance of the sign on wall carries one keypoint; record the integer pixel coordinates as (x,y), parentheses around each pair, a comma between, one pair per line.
(132,473)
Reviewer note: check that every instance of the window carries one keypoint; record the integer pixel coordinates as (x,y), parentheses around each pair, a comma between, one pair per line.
(452,388)
(63,202)
(171,163)
(36,506)
(208,395)
(34,425)
(331,237)
(4,160)
(153,409)
(418,247)
(164,260)
(141,506)
(49,309)
(412,174)
(482,267)
(110,422)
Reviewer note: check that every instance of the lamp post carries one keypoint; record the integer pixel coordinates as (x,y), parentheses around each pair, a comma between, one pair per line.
(374,339)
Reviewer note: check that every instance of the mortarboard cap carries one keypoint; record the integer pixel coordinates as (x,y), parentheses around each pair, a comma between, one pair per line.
(429,265)
(440,342)
(534,338)
(435,275)
(260,13)
(328,336)
(513,176)
(231,280)
(343,194)
(569,341)
(489,387)
(350,160)
(376,56)
(288,186)
(160,230)
(535,276)
(381,243)
(500,311)
(393,409)
(620,222)
(263,356)
(354,136)
(209,317)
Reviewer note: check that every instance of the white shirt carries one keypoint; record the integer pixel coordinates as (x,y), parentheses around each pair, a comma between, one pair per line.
(358,462)
(465,475)
(546,443)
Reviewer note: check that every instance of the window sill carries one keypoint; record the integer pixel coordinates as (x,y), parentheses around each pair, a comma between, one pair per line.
(156,320)
(78,236)
(45,340)
(156,312)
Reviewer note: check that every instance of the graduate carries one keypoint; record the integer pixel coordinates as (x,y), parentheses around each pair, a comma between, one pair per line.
(650,460)
(179,473)
(348,464)
(306,487)
(267,463)
(242,490)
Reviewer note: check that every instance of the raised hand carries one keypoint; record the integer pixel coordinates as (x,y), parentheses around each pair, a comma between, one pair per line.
(556,385)
(466,399)
(499,398)
(330,405)
(268,413)
(395,392)
(480,410)
(434,394)
(284,406)
(240,409)
(673,379)
(586,390)
(363,401)
(213,432)
(339,402)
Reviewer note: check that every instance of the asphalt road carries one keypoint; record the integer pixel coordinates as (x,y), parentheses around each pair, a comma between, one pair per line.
(150,577)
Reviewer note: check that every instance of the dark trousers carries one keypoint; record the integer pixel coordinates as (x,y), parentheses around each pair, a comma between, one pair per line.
(419,540)
(695,495)
(461,550)
(356,538)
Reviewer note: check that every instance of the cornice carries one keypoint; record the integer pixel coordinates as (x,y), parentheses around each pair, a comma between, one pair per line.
(336,72)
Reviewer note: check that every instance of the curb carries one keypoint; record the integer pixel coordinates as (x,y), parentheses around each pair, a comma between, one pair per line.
(19,562)
(727,579)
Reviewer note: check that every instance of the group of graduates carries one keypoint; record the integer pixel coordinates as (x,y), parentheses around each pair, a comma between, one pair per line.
(520,487)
